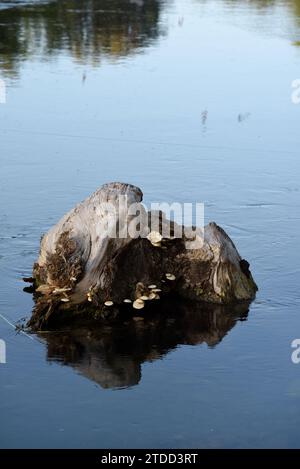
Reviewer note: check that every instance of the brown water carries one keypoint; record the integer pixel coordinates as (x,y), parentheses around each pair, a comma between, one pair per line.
(191,101)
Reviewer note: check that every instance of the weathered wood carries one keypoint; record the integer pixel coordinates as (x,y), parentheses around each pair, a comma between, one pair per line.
(81,265)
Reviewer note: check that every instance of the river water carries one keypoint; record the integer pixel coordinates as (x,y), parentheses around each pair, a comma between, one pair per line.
(191,100)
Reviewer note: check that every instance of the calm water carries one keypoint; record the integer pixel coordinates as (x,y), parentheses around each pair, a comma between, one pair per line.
(191,101)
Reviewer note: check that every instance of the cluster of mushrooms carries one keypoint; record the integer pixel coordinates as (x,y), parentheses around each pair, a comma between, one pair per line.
(143,293)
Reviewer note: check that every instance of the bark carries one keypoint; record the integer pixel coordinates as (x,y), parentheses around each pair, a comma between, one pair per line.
(81,265)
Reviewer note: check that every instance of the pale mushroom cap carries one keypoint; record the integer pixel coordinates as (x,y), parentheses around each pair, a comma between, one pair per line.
(154,237)
(61,290)
(156,290)
(139,300)
(152,296)
(65,300)
(170,276)
(152,286)
(127,300)
(138,304)
(144,298)
(108,303)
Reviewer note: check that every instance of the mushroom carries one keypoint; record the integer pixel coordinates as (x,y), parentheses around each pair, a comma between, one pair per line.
(170,276)
(155,238)
(138,304)
(108,303)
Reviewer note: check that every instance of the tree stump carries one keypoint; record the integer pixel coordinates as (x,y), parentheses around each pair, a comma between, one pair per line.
(85,270)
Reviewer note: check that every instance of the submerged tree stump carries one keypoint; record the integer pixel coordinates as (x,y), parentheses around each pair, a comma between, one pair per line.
(85,270)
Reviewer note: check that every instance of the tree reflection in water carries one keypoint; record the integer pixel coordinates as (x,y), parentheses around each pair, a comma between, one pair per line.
(87,29)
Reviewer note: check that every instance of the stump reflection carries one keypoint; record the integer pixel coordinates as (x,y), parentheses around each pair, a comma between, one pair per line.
(112,355)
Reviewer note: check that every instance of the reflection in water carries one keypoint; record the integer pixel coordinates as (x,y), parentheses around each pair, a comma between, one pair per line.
(91,29)
(281,17)
(87,29)
(112,356)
